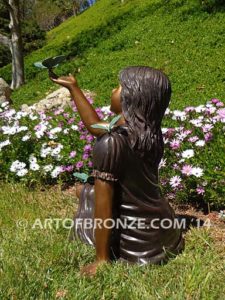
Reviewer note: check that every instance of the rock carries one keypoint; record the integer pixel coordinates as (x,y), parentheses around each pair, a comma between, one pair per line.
(58,99)
(5,91)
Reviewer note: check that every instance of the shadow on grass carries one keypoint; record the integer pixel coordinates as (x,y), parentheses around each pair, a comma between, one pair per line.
(189,221)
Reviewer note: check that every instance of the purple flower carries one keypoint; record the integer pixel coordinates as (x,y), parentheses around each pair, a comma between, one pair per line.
(38,127)
(60,124)
(82,137)
(85,156)
(79,164)
(90,164)
(221,113)
(163,182)
(200,190)
(81,124)
(193,139)
(208,136)
(69,168)
(89,138)
(70,121)
(214,101)
(73,154)
(175,144)
(189,109)
(87,148)
(66,115)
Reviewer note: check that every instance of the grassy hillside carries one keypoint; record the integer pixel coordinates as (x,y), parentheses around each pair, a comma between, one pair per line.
(177,36)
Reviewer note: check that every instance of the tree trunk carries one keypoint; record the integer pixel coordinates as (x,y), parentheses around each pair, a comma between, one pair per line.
(16,45)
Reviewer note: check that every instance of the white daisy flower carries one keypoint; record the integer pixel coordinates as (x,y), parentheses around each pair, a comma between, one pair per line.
(26,138)
(74,127)
(200,143)
(22,172)
(55,173)
(197,172)
(187,153)
(175,181)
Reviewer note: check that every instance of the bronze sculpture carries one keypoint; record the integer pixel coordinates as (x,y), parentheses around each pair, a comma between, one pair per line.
(125,172)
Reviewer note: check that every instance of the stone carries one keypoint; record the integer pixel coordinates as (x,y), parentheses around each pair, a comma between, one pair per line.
(5,91)
(58,99)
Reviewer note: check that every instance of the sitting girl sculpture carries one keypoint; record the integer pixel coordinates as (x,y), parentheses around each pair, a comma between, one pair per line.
(125,171)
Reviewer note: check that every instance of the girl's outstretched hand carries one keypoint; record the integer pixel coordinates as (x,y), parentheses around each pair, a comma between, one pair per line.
(66,81)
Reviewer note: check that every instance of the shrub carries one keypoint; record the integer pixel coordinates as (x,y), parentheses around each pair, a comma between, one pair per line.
(50,146)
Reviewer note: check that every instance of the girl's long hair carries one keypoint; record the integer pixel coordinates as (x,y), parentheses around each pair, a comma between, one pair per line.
(145,95)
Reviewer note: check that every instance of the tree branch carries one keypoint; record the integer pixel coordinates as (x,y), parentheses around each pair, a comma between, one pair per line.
(4,40)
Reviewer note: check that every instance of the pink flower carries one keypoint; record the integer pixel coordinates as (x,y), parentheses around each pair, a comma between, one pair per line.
(176,167)
(81,125)
(219,104)
(193,139)
(200,190)
(90,164)
(207,127)
(58,111)
(175,144)
(89,138)
(82,137)
(214,101)
(186,170)
(70,121)
(175,181)
(73,154)
(189,109)
(221,113)
(187,132)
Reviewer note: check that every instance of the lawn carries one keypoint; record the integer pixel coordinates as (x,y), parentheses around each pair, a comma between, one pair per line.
(38,263)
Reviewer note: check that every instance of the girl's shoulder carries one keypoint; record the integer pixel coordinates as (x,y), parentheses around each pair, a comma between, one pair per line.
(117,136)
(109,153)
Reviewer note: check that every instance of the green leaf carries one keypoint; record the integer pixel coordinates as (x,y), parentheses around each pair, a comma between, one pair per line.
(82,176)
(100,126)
(39,65)
(114,120)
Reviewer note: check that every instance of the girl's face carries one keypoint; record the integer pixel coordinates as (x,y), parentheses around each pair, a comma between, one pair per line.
(115,100)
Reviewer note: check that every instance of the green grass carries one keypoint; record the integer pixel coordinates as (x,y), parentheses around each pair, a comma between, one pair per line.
(38,263)
(177,36)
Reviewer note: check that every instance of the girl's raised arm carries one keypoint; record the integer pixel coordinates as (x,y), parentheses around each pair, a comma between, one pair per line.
(86,111)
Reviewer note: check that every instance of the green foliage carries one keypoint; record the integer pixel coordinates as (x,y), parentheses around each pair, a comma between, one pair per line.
(175,36)
(33,36)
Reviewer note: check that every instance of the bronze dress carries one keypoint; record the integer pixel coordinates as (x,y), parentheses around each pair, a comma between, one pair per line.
(137,197)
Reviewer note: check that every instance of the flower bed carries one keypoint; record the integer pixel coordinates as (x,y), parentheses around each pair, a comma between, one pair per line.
(49,146)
